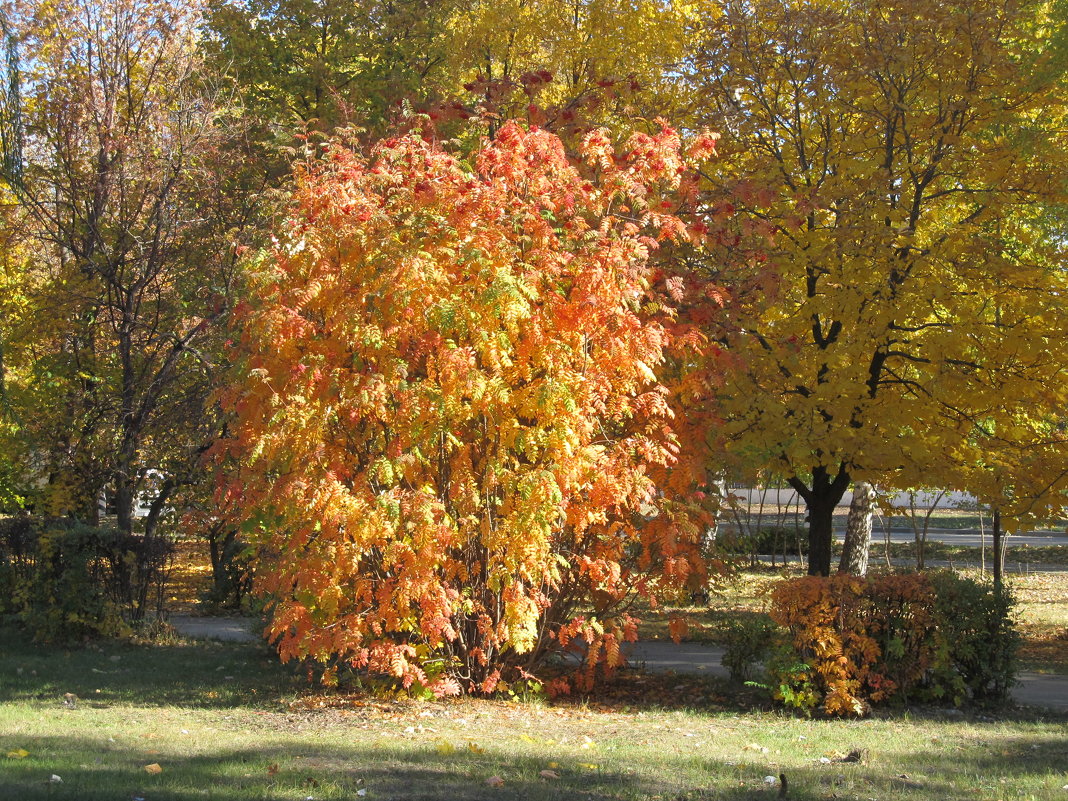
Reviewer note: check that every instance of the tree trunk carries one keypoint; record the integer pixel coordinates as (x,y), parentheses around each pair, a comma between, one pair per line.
(858,531)
(999,553)
(821,498)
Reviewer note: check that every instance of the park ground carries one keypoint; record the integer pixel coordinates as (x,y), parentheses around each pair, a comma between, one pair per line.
(182,719)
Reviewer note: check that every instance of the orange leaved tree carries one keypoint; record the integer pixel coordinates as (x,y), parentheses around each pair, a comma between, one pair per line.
(447,421)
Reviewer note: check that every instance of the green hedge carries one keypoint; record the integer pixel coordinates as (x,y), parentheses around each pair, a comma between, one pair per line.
(63,579)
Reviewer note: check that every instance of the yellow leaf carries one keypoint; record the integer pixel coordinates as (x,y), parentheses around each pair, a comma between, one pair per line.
(474,748)
(446,748)
(20,753)
(154,768)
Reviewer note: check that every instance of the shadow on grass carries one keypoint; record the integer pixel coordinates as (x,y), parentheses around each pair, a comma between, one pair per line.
(298,769)
(195,674)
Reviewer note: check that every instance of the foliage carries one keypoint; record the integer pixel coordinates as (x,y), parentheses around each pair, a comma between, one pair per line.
(767,540)
(856,641)
(65,580)
(126,261)
(748,641)
(447,424)
(979,623)
(325,62)
(911,327)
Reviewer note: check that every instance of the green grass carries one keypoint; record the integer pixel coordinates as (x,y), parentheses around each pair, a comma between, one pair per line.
(227,722)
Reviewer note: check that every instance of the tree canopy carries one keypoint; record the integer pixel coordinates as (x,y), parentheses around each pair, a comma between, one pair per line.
(499,322)
(896,156)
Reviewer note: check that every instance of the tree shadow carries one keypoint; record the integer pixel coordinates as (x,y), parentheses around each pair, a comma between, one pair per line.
(92,771)
(301,767)
(187,673)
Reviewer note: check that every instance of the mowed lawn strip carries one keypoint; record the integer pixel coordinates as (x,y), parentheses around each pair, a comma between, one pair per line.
(224,721)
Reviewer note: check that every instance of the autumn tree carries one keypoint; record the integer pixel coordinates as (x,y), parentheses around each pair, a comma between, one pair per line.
(906,147)
(447,423)
(612,62)
(129,256)
(322,63)
(857,542)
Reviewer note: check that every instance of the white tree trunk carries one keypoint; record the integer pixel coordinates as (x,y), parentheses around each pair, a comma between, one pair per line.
(858,531)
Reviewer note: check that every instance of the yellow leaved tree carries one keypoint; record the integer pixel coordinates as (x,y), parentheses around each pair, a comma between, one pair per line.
(916,317)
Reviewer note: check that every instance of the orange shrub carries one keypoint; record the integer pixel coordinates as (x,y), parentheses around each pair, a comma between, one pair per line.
(855,641)
(447,423)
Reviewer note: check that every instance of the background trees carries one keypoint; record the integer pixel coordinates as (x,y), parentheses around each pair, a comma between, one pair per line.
(893,154)
(130,261)
(461,355)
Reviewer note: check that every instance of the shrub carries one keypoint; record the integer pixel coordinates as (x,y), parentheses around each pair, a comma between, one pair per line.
(859,641)
(67,580)
(447,426)
(775,540)
(748,641)
(978,626)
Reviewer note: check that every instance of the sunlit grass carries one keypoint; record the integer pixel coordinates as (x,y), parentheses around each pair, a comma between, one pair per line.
(407,750)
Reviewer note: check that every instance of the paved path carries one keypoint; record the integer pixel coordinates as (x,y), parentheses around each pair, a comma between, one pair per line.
(1034,689)
(1011,566)
(228,629)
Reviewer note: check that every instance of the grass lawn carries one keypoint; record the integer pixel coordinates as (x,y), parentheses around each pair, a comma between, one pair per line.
(225,721)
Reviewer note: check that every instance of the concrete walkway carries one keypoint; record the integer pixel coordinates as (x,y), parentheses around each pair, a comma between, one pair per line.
(1034,689)
(227,629)
(1047,690)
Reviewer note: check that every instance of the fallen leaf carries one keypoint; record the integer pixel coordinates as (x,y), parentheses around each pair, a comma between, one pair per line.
(272,769)
(554,765)
(154,768)
(588,766)
(475,748)
(549,774)
(495,781)
(446,748)
(20,753)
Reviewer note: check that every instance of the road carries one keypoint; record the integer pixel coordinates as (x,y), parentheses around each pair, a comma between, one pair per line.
(966,536)
(956,536)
